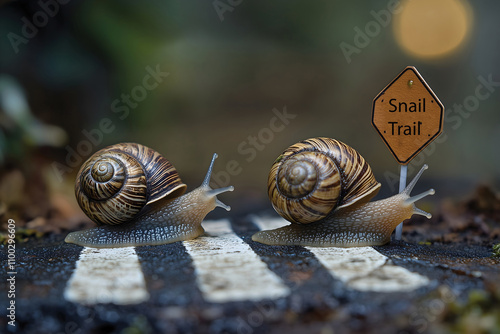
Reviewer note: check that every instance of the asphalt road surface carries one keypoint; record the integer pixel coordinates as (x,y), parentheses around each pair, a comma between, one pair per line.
(223,282)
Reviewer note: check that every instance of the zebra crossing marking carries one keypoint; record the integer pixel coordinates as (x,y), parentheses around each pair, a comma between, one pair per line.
(107,275)
(360,268)
(227,269)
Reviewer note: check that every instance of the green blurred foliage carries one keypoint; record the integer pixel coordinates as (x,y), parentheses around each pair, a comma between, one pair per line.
(227,75)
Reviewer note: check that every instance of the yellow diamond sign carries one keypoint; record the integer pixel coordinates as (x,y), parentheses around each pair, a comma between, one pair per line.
(407,115)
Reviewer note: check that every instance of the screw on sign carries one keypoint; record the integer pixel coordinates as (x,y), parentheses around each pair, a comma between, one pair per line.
(408,116)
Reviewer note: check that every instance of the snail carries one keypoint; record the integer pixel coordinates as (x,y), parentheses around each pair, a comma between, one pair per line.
(136,197)
(323,187)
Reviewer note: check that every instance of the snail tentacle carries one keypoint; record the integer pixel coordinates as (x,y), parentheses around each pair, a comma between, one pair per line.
(138,199)
(352,220)
(410,200)
(214,192)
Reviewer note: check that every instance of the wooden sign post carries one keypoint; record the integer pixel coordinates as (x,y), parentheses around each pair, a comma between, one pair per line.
(408,116)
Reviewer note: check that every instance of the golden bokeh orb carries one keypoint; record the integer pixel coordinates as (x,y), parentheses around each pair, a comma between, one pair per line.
(432,29)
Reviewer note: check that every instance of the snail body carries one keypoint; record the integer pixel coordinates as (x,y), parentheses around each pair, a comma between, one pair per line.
(324,187)
(136,197)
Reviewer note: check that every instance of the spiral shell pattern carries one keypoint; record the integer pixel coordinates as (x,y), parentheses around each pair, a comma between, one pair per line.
(115,183)
(316,176)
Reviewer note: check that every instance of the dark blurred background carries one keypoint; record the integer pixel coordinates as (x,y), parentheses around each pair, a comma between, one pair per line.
(245,79)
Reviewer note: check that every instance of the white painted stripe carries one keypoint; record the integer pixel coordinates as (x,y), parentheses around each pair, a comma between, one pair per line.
(227,269)
(107,275)
(360,268)
(365,269)
(264,223)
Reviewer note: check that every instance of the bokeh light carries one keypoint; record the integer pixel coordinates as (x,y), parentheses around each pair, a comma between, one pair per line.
(432,29)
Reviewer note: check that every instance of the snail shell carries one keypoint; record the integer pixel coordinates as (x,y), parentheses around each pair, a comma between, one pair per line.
(136,197)
(316,176)
(117,182)
(324,187)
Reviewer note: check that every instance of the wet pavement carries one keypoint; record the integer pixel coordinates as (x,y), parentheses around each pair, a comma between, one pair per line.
(462,288)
